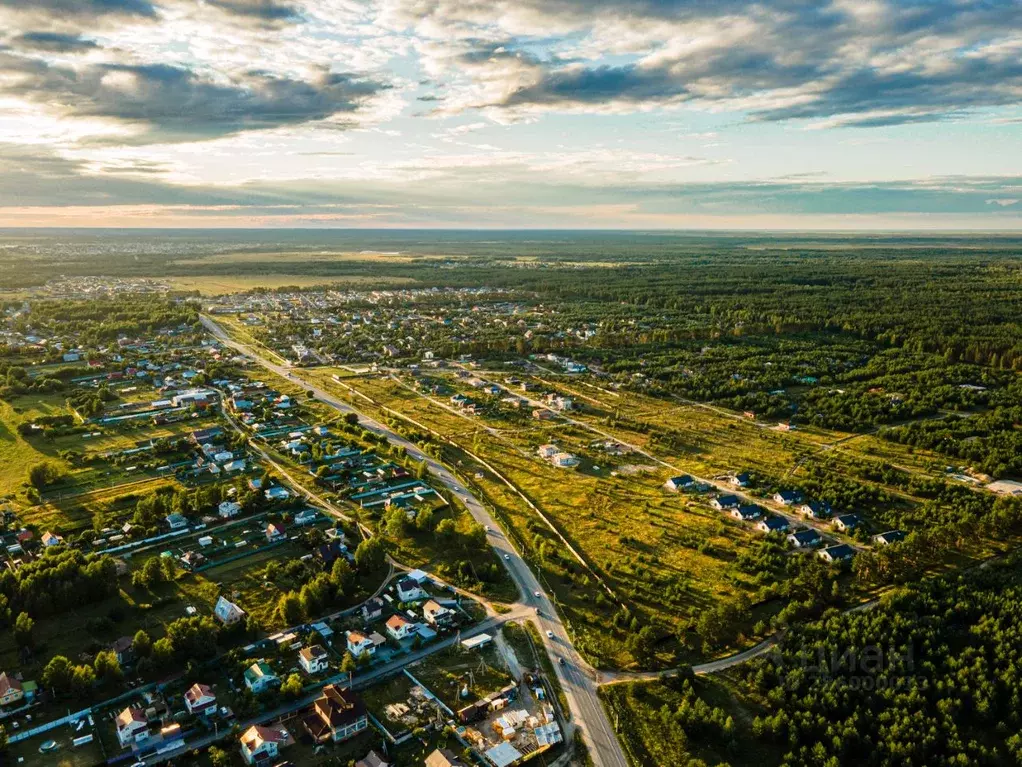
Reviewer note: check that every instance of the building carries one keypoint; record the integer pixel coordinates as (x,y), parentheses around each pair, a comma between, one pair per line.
(747,512)
(565,460)
(437,615)
(409,591)
(199,699)
(684,482)
(260,677)
(314,660)
(132,727)
(177,521)
(372,759)
(805,539)
(372,609)
(788,497)
(726,501)
(740,480)
(229,509)
(275,533)
(337,715)
(399,628)
(815,509)
(277,493)
(192,560)
(443,758)
(891,536)
(227,612)
(11,690)
(847,522)
(261,745)
(838,553)
(772,524)
(358,643)
(51,539)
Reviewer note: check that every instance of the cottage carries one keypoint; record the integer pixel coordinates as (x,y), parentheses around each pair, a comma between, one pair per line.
(192,560)
(229,509)
(372,610)
(337,715)
(437,615)
(441,757)
(132,726)
(372,759)
(409,591)
(838,553)
(684,482)
(314,660)
(227,612)
(331,551)
(200,700)
(359,644)
(747,512)
(123,648)
(11,690)
(259,677)
(804,539)
(177,521)
(787,497)
(277,493)
(772,524)
(261,745)
(399,628)
(815,510)
(722,502)
(891,536)
(306,517)
(275,533)
(740,480)
(51,539)
(847,522)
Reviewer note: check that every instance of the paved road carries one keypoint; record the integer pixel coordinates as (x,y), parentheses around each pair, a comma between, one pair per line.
(577,679)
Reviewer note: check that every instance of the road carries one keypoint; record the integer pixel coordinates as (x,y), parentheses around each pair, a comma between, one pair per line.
(577,679)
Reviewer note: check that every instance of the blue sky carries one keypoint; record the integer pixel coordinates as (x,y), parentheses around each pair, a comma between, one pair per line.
(775,114)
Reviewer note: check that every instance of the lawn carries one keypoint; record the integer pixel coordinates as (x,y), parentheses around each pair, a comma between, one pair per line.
(449,673)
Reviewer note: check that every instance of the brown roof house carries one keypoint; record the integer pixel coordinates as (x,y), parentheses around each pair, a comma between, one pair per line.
(338,715)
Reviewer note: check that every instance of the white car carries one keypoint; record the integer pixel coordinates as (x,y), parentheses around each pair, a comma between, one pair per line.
(536,594)
(507,557)
(550,635)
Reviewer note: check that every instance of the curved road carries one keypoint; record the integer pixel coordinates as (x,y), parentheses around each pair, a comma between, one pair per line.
(577,680)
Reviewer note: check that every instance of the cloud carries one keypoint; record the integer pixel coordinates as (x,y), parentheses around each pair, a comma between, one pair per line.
(167,103)
(82,8)
(53,42)
(264,11)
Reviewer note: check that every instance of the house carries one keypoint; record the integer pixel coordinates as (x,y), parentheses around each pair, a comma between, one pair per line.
(815,510)
(441,757)
(277,493)
(747,512)
(192,560)
(725,502)
(229,509)
(275,533)
(684,482)
(259,677)
(306,517)
(337,715)
(177,521)
(372,759)
(358,643)
(565,460)
(261,745)
(772,524)
(838,553)
(331,551)
(740,480)
(437,615)
(787,497)
(132,726)
(227,612)
(314,660)
(891,536)
(11,690)
(123,649)
(847,522)
(804,539)
(372,609)
(51,539)
(200,700)
(409,591)
(399,628)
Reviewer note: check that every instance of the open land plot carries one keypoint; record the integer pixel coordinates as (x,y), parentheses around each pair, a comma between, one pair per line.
(450,673)
(220,284)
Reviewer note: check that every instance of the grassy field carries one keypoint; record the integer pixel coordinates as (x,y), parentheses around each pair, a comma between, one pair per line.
(216,285)
(447,674)
(17,454)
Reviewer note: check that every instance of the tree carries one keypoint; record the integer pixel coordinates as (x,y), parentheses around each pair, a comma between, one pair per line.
(292,687)
(348,663)
(44,473)
(141,645)
(57,674)
(370,555)
(163,650)
(218,757)
(289,608)
(152,573)
(24,630)
(446,529)
(342,576)
(83,679)
(107,667)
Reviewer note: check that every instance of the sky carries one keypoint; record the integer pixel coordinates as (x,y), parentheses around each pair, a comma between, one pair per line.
(635,114)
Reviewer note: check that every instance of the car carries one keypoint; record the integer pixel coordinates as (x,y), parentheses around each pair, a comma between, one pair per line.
(536,594)
(507,556)
(561,661)
(550,635)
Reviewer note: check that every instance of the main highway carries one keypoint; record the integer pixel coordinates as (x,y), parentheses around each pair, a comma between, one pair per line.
(577,679)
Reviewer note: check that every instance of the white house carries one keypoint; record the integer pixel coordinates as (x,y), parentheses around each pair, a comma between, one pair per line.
(132,726)
(229,509)
(359,643)
(259,676)
(199,699)
(399,628)
(409,591)
(261,745)
(227,612)
(314,660)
